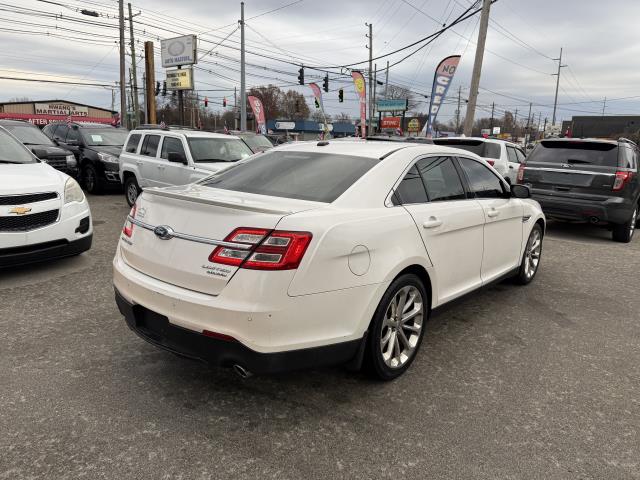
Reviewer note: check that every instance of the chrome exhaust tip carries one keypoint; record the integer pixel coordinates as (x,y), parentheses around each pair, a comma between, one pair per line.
(241,371)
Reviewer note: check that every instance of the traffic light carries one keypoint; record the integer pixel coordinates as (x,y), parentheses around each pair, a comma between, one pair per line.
(157,88)
(325,84)
(341,95)
(164,89)
(206,102)
(224,102)
(301,76)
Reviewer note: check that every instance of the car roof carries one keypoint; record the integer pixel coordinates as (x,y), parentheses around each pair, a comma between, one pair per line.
(84,124)
(583,140)
(17,123)
(186,133)
(370,148)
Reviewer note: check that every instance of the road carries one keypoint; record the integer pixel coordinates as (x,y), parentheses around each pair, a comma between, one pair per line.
(537,382)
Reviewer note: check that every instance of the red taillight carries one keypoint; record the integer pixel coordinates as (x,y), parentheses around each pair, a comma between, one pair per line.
(520,177)
(218,336)
(622,178)
(268,250)
(128,225)
(491,162)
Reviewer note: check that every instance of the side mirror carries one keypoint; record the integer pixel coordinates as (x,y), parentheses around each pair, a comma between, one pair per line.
(520,191)
(177,157)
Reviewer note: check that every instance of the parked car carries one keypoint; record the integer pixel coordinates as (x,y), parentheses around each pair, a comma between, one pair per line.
(256,142)
(587,180)
(505,157)
(42,146)
(43,212)
(320,253)
(96,147)
(155,157)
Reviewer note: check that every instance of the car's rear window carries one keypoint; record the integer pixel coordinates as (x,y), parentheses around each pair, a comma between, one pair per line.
(480,148)
(575,153)
(319,177)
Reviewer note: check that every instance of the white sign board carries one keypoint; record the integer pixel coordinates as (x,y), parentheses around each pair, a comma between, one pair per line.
(329,127)
(61,109)
(496,130)
(181,79)
(286,125)
(178,51)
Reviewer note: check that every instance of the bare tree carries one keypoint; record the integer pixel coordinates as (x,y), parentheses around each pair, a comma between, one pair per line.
(293,106)
(396,92)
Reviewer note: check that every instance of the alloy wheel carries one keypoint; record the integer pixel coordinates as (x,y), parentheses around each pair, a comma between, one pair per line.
(532,253)
(132,193)
(89,180)
(401,327)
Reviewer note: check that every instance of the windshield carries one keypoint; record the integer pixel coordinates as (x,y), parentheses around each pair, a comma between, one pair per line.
(103,137)
(257,143)
(575,153)
(480,148)
(29,135)
(318,177)
(207,149)
(12,151)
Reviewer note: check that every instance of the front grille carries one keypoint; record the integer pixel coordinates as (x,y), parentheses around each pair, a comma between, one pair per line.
(24,223)
(27,198)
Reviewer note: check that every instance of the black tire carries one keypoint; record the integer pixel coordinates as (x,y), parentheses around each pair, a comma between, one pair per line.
(624,232)
(375,363)
(130,187)
(91,180)
(527,271)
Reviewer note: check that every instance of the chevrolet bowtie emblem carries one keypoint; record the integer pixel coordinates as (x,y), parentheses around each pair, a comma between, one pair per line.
(20,210)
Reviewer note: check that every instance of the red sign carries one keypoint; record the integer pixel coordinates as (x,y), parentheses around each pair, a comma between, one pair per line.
(258,113)
(39,119)
(390,122)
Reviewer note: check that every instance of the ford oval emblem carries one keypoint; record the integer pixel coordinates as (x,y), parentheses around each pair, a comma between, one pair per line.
(163,232)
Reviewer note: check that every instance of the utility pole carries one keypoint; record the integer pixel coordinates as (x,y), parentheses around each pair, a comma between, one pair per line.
(528,134)
(375,88)
(144,98)
(243,86)
(235,108)
(134,87)
(604,105)
(458,110)
(555,101)
(150,83)
(493,107)
(180,104)
(539,120)
(477,68)
(123,95)
(370,47)
(386,82)
(515,126)
(544,129)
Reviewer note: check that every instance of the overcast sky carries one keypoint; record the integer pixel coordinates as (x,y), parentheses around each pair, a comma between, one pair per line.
(599,40)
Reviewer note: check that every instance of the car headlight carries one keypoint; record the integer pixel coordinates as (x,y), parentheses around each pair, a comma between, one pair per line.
(107,157)
(71,161)
(72,192)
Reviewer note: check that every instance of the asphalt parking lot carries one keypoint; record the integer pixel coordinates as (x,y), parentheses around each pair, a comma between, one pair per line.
(512,382)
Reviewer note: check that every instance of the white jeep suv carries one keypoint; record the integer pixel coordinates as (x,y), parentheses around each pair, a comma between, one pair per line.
(504,156)
(161,157)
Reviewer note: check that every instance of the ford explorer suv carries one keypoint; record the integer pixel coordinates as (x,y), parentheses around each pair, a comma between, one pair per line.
(161,157)
(586,180)
(42,146)
(96,147)
(505,157)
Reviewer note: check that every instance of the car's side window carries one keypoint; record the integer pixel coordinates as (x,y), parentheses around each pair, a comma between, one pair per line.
(521,156)
(171,144)
(511,154)
(441,179)
(483,183)
(411,189)
(132,143)
(73,134)
(150,145)
(61,133)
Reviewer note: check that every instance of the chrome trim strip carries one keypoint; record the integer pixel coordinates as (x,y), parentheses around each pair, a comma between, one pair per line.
(567,170)
(192,238)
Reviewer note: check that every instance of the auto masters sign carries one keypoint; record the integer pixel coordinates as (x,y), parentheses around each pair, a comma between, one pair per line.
(61,109)
(178,51)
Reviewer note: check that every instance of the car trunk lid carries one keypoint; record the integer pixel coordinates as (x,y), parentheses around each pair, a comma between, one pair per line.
(199,217)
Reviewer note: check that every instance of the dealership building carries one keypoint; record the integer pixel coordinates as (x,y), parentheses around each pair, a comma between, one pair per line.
(42,112)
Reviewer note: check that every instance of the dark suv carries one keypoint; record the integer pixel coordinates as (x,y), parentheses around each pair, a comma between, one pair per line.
(96,147)
(587,180)
(42,146)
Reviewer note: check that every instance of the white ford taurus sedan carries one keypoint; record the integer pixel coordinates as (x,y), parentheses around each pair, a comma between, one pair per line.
(43,212)
(320,253)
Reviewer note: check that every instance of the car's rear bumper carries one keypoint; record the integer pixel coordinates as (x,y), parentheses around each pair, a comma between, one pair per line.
(225,351)
(43,251)
(609,210)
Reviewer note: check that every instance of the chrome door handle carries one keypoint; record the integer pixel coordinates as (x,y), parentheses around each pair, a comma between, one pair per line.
(493,213)
(433,222)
